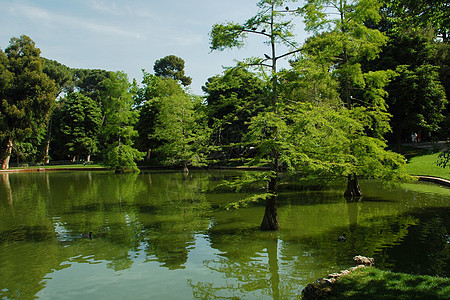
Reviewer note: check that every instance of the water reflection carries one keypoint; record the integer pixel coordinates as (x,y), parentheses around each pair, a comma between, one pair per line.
(164,223)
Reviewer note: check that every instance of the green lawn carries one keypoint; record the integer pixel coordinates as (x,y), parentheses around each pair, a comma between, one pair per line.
(371,283)
(426,165)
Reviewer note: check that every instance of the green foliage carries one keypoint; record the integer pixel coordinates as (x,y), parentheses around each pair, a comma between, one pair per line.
(61,74)
(346,40)
(244,202)
(309,80)
(269,22)
(172,66)
(444,158)
(27,95)
(304,130)
(228,35)
(172,124)
(89,82)
(122,157)
(80,124)
(408,15)
(118,123)
(181,128)
(418,99)
(232,99)
(148,101)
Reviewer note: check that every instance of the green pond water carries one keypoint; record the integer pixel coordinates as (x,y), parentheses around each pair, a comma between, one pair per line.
(160,235)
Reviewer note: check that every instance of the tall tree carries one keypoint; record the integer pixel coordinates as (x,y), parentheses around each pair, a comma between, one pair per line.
(81,124)
(342,37)
(313,135)
(417,99)
(64,80)
(27,94)
(118,123)
(271,24)
(181,128)
(232,99)
(172,66)
(148,101)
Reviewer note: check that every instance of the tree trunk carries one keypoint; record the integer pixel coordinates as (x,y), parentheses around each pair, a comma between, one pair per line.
(353,189)
(5,163)
(47,150)
(398,138)
(270,220)
(88,158)
(47,147)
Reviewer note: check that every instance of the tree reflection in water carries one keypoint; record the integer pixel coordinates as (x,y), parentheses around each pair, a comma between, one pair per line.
(164,221)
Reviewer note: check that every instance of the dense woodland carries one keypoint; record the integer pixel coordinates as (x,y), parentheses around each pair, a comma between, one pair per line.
(371,74)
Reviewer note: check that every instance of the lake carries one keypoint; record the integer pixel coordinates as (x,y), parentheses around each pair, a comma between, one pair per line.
(161,235)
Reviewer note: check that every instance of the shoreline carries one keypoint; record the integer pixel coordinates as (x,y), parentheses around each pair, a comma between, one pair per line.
(431,179)
(435,180)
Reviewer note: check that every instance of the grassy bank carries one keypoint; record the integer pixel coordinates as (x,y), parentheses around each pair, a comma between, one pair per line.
(426,165)
(371,283)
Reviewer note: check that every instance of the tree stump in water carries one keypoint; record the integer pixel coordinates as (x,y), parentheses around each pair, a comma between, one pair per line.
(270,220)
(353,189)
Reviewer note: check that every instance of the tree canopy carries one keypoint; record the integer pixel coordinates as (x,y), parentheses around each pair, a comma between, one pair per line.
(81,123)
(367,66)
(27,94)
(172,66)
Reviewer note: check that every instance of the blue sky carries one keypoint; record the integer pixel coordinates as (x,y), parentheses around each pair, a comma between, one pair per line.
(131,35)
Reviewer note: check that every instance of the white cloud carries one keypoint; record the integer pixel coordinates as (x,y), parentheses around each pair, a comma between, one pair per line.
(57,20)
(136,9)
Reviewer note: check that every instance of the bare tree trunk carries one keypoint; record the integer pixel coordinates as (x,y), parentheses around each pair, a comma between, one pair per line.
(88,158)
(5,163)
(47,147)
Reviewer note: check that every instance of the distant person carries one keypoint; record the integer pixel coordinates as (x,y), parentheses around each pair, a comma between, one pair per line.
(413,137)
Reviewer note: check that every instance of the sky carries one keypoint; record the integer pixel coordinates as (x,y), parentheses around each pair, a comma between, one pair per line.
(130,35)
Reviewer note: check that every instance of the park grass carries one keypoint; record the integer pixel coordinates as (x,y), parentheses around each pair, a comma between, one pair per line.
(425,165)
(371,283)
